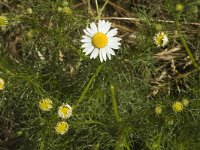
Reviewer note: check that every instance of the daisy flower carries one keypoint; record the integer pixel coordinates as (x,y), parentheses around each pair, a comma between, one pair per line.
(161,39)
(3,21)
(100,41)
(45,104)
(65,111)
(177,106)
(61,127)
(2,83)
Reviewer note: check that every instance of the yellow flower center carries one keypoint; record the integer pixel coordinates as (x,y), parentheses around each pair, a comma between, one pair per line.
(3,21)
(158,110)
(61,127)
(67,10)
(177,106)
(64,110)
(185,102)
(45,104)
(179,7)
(99,40)
(1,84)
(159,39)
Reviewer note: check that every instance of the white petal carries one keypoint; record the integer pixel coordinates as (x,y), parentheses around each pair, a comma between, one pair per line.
(94,53)
(100,55)
(90,31)
(87,33)
(103,53)
(85,36)
(106,27)
(113,45)
(114,39)
(86,49)
(86,40)
(111,33)
(100,25)
(86,45)
(110,50)
(93,27)
(107,53)
(89,50)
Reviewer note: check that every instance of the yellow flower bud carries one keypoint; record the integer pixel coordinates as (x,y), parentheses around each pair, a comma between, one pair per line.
(61,127)
(3,21)
(179,7)
(158,110)
(177,106)
(185,102)
(2,83)
(45,104)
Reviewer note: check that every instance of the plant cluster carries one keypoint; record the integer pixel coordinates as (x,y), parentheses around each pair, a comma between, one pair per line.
(99,75)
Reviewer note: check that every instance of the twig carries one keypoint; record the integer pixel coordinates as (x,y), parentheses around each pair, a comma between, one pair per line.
(124,11)
(125,29)
(78,5)
(1,3)
(140,20)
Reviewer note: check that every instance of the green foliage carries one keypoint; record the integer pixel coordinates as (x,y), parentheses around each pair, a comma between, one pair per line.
(114,102)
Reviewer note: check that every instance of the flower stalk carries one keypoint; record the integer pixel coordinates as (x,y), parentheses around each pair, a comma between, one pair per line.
(114,104)
(88,85)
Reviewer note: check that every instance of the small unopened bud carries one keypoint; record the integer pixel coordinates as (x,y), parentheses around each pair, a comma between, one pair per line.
(179,7)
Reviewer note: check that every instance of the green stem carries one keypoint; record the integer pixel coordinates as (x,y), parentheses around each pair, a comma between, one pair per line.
(88,85)
(104,5)
(97,7)
(43,142)
(114,104)
(99,12)
(42,145)
(89,7)
(186,47)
